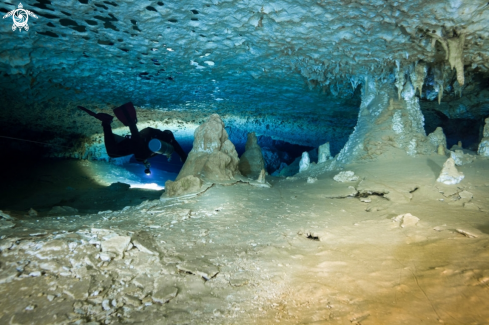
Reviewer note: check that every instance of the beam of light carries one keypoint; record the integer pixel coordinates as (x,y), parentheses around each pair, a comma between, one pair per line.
(150,186)
(129,173)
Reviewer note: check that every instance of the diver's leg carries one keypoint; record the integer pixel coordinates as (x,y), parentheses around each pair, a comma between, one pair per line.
(114,149)
(168,137)
(137,143)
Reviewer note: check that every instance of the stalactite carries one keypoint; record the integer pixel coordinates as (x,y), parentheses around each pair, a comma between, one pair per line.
(456,47)
(440,76)
(400,79)
(457,88)
(417,75)
(453,47)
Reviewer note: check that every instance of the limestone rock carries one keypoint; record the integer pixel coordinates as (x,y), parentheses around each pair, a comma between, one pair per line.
(65,210)
(8,273)
(484,145)
(437,138)
(251,162)
(6,221)
(311,180)
(261,177)
(485,132)
(465,233)
(213,157)
(185,185)
(347,176)
(460,158)
(406,220)
(145,243)
(324,153)
(441,150)
(449,174)
(466,195)
(117,245)
(471,206)
(199,267)
(164,290)
(305,162)
(386,125)
(5,216)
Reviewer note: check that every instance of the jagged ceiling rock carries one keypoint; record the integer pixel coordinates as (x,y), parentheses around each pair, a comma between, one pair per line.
(251,56)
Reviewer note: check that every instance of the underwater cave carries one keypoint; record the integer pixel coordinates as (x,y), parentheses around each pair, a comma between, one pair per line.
(244,162)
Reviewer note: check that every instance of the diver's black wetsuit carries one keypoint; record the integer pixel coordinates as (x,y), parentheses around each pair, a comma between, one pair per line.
(137,144)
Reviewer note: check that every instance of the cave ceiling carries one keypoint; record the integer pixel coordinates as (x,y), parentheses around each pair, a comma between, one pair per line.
(274,56)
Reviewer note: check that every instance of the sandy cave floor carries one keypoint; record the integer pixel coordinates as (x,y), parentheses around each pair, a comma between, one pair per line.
(296,253)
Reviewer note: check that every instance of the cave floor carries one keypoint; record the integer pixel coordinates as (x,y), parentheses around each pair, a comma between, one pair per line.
(295,253)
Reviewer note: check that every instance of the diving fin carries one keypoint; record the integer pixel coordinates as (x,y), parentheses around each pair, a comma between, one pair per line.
(87,111)
(126,114)
(105,118)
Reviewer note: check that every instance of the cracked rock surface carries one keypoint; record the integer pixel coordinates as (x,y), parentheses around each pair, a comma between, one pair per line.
(245,254)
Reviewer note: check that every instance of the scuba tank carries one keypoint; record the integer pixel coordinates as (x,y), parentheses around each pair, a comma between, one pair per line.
(160,147)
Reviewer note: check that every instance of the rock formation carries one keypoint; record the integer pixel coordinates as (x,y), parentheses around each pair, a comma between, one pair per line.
(441,150)
(324,153)
(261,177)
(385,123)
(449,174)
(251,162)
(437,138)
(305,162)
(213,159)
(460,158)
(346,176)
(453,47)
(187,184)
(484,145)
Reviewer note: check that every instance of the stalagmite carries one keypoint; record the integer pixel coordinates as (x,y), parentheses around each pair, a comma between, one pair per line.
(251,162)
(305,162)
(438,138)
(449,174)
(441,150)
(324,153)
(261,177)
(213,158)
(484,145)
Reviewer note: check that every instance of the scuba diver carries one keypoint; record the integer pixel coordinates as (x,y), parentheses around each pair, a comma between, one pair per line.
(143,144)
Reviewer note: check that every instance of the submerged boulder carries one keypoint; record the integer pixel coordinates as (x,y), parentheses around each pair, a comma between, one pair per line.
(251,162)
